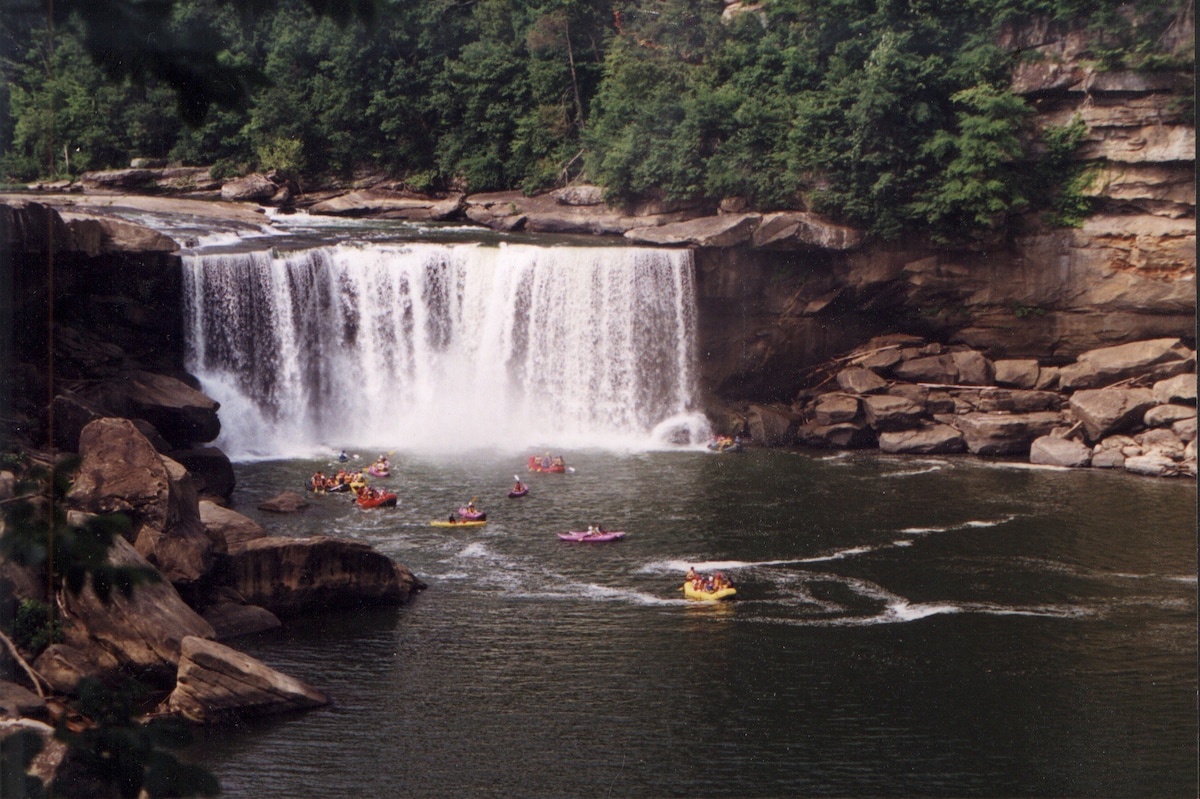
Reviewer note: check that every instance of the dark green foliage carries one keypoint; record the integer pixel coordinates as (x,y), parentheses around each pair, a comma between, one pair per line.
(35,628)
(132,756)
(889,114)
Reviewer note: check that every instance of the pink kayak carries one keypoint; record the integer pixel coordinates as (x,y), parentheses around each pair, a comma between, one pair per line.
(514,493)
(607,535)
(471,515)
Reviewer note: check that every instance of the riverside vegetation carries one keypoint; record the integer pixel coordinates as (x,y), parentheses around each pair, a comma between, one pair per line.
(891,116)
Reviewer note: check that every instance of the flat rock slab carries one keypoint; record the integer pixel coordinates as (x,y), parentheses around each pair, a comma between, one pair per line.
(216,683)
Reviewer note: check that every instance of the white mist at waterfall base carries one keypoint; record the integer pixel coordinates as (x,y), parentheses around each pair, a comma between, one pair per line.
(436,347)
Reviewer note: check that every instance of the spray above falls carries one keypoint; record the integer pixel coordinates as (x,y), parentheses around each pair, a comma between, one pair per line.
(444,346)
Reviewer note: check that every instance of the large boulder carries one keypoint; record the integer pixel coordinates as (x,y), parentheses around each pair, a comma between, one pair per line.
(210,468)
(887,412)
(121,472)
(793,230)
(183,415)
(845,435)
(227,528)
(139,635)
(1179,389)
(284,502)
(217,684)
(1017,372)
(928,439)
(727,230)
(288,576)
(1056,451)
(1167,415)
(835,408)
(1164,357)
(857,380)
(254,188)
(771,426)
(964,367)
(1005,433)
(1104,411)
(231,617)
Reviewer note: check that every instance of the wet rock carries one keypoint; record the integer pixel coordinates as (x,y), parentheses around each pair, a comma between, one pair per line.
(285,502)
(1017,373)
(1055,451)
(1005,434)
(216,683)
(928,439)
(857,380)
(1110,410)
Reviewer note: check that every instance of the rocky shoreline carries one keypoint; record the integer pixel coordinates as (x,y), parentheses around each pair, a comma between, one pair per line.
(1130,407)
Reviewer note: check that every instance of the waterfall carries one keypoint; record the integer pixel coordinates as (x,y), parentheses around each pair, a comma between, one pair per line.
(444,346)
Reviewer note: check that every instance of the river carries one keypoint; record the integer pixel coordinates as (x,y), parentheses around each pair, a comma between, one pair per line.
(903,627)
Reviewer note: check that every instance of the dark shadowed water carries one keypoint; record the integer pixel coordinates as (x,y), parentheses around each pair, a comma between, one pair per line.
(902,628)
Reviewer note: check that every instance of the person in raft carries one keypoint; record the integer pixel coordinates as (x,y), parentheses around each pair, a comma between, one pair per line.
(519,486)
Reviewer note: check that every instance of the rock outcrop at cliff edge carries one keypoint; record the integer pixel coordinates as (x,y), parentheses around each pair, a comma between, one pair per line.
(906,396)
(217,683)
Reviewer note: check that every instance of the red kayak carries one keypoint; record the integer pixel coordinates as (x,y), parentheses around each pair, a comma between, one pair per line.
(535,465)
(583,536)
(384,500)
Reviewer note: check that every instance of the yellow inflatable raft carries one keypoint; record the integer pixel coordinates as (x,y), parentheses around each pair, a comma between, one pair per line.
(708,596)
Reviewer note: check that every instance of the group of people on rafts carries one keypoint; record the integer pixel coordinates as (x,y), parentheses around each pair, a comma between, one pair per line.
(707,583)
(352,481)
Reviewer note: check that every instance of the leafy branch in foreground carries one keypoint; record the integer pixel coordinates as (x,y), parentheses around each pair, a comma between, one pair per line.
(113,750)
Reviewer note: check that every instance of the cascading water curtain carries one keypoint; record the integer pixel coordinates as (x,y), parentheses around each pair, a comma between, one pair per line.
(429,346)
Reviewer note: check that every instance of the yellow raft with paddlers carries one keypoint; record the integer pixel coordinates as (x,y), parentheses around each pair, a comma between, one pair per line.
(708,596)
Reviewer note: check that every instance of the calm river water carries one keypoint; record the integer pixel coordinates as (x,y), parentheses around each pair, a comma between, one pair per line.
(903,627)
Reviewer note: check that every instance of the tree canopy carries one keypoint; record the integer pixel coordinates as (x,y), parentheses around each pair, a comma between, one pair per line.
(890,114)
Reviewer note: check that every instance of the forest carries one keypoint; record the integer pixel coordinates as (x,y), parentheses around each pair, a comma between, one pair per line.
(893,115)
